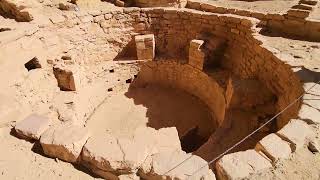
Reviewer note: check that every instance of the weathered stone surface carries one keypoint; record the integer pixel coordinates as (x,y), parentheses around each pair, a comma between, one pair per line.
(124,155)
(67,79)
(274,147)
(154,139)
(196,55)
(32,126)
(129,177)
(158,165)
(145,45)
(64,142)
(296,132)
(310,113)
(241,164)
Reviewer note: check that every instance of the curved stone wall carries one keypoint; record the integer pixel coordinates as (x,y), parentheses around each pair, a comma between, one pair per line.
(185,77)
(245,56)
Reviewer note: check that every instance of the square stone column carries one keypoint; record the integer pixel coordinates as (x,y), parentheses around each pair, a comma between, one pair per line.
(145,45)
(196,55)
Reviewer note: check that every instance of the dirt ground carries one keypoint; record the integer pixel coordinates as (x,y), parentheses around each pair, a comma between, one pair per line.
(257,6)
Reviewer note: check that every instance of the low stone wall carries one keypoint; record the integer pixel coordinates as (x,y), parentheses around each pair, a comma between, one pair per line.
(194,81)
(161,3)
(245,54)
(292,23)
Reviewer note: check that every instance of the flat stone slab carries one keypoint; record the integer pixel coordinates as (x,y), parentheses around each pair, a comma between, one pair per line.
(164,139)
(125,155)
(64,142)
(296,132)
(274,147)
(240,165)
(32,126)
(164,166)
(310,112)
(121,156)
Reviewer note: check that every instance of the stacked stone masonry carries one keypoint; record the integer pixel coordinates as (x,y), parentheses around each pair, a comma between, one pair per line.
(292,23)
(245,56)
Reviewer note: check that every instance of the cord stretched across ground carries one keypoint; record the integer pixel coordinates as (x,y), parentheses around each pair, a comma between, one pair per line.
(242,140)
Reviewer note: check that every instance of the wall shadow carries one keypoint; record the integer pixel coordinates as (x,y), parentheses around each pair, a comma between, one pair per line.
(169,107)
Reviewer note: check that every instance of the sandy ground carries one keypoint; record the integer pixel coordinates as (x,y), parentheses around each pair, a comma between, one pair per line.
(257,6)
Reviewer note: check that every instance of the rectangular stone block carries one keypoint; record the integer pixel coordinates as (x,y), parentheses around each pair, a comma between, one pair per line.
(32,126)
(67,79)
(240,165)
(145,46)
(196,55)
(274,147)
(296,132)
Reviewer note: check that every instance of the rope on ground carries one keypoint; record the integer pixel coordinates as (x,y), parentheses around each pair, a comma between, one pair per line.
(245,138)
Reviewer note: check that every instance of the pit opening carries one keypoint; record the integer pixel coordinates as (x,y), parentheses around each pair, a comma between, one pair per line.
(157,107)
(32,64)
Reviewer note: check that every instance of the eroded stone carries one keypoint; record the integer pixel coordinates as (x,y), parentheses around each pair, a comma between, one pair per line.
(274,147)
(165,165)
(240,165)
(32,126)
(296,132)
(64,141)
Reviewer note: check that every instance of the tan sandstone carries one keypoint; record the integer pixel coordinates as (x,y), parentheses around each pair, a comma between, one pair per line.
(240,165)
(297,132)
(274,147)
(32,126)
(64,142)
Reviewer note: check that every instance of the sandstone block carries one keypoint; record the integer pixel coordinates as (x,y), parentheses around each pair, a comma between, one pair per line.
(67,79)
(145,45)
(274,147)
(32,126)
(158,165)
(64,142)
(309,112)
(240,165)
(196,55)
(296,132)
(122,156)
(129,177)
(154,139)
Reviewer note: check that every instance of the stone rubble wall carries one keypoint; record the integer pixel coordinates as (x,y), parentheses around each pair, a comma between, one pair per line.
(293,23)
(245,56)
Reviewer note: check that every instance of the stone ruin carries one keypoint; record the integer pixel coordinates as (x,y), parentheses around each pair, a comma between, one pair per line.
(218,56)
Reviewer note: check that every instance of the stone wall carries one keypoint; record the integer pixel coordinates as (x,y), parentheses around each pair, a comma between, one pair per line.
(292,23)
(245,54)
(161,3)
(192,80)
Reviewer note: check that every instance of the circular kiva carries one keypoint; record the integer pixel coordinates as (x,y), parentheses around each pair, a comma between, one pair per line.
(220,60)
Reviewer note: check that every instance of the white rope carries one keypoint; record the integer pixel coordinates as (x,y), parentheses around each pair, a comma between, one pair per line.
(235,145)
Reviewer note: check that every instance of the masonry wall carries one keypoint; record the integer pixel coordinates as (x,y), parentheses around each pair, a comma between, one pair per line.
(293,23)
(245,55)
(185,77)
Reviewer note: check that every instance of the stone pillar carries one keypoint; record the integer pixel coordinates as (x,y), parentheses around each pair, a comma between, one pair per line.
(196,55)
(145,45)
(67,79)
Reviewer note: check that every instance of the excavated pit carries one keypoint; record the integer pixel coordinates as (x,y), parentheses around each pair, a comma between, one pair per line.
(239,88)
(237,85)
